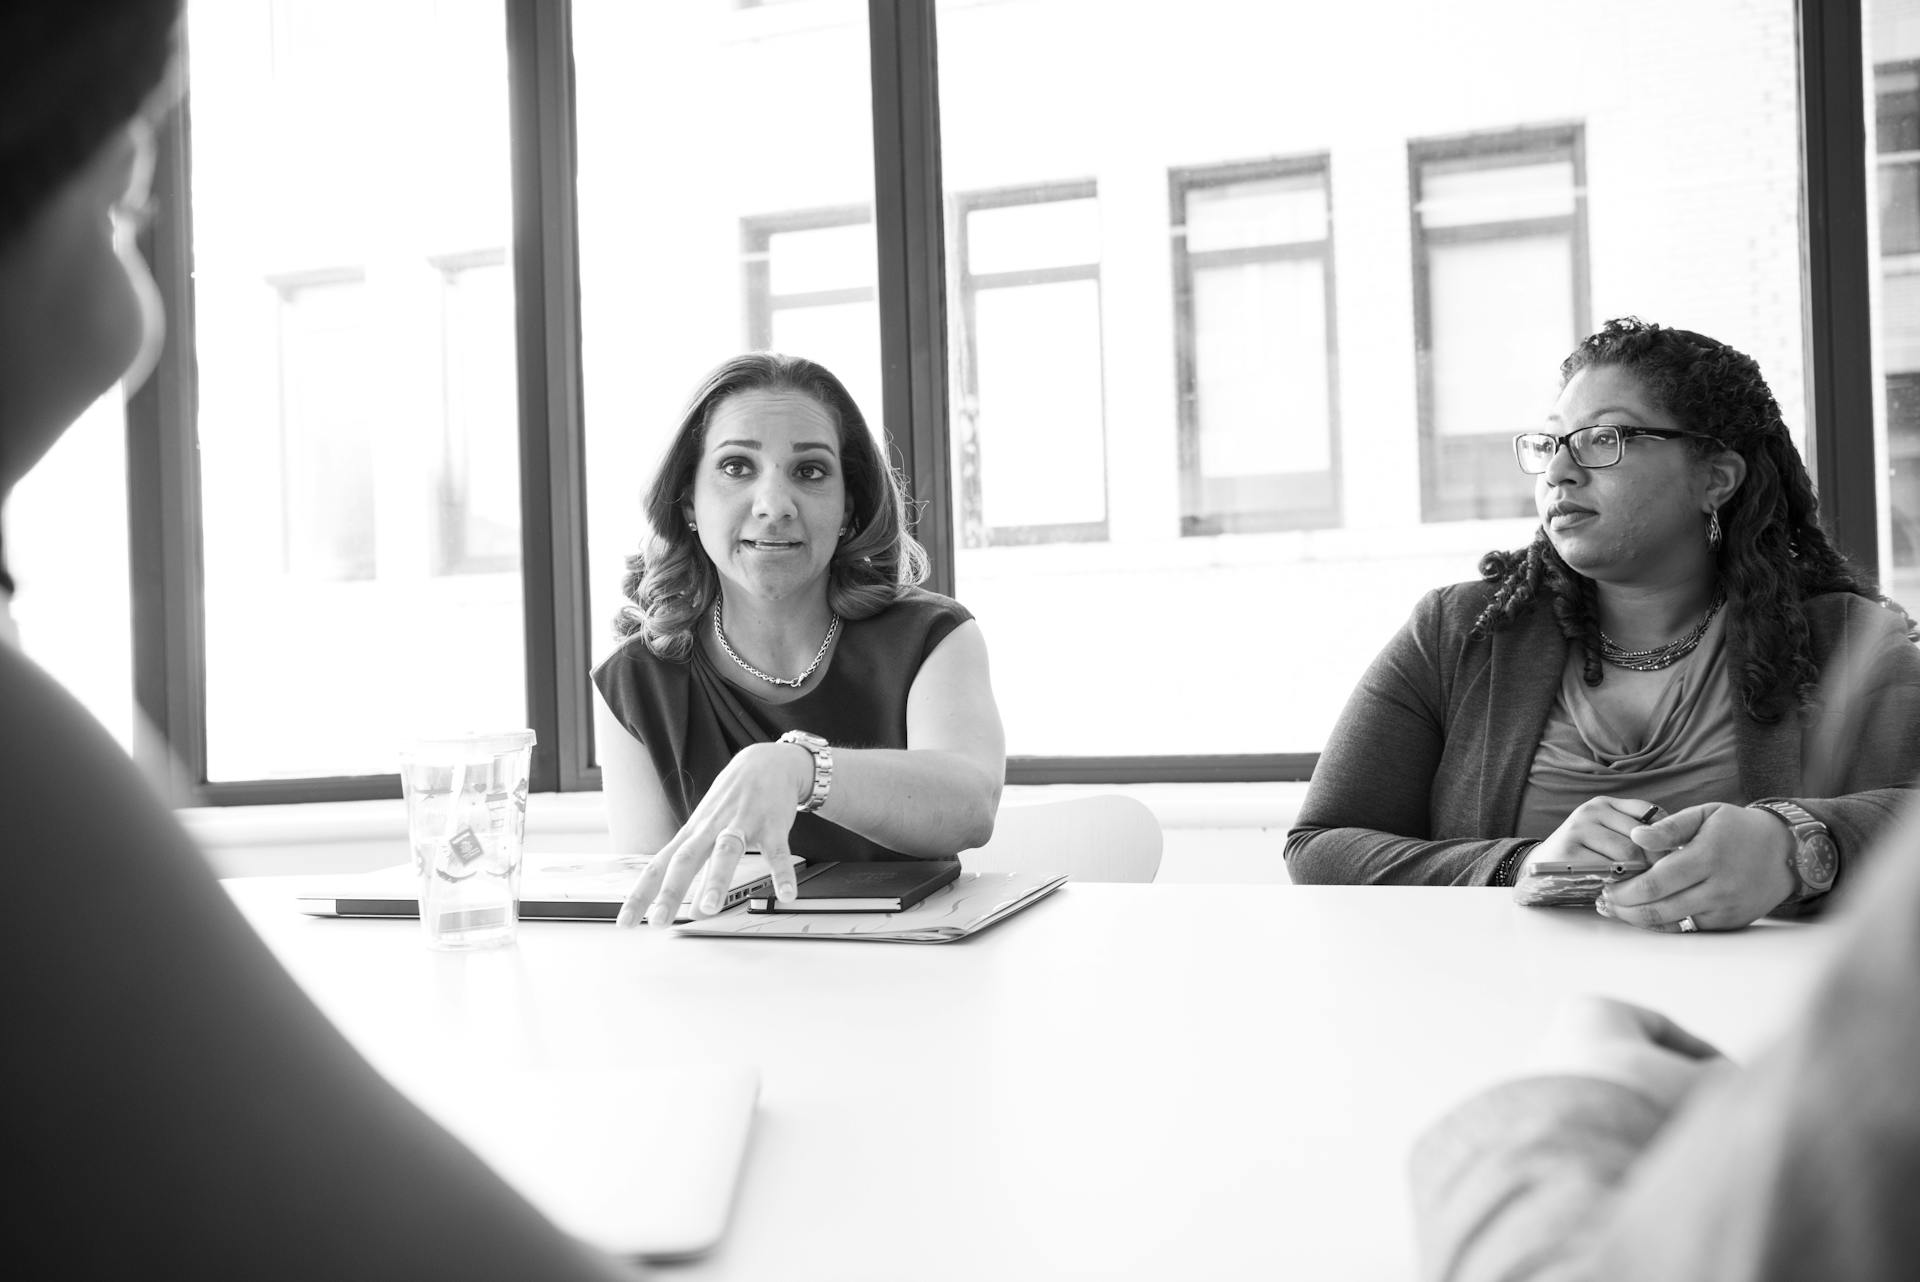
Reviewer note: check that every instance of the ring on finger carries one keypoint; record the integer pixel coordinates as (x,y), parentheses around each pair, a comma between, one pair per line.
(1688,925)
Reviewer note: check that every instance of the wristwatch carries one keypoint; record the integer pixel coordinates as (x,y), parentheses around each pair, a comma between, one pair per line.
(1815,860)
(822,768)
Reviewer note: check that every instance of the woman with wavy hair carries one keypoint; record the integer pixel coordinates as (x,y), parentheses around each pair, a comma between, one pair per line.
(783,684)
(1680,671)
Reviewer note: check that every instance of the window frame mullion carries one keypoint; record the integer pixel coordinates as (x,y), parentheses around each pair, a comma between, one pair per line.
(167,574)
(1839,318)
(910,236)
(553,505)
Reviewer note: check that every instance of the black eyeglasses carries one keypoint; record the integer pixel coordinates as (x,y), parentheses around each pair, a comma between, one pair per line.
(1601,445)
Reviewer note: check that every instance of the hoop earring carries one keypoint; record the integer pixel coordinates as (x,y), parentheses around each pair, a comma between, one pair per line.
(1713,531)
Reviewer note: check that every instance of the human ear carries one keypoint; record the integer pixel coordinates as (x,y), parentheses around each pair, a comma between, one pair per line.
(1726,471)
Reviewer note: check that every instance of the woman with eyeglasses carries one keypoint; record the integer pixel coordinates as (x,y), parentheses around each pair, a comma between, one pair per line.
(1681,698)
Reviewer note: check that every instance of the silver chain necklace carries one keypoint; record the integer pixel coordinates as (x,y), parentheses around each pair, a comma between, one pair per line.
(833,629)
(1660,656)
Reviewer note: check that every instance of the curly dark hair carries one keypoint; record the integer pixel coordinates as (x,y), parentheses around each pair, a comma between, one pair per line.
(1773,554)
(670,581)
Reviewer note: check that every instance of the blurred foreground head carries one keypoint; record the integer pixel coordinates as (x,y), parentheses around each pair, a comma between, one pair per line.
(80,84)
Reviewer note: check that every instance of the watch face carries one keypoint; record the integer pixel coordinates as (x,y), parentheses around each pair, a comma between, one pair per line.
(1817,860)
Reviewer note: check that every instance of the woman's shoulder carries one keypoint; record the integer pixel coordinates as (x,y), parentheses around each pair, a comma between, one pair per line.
(1453,607)
(1849,619)
(918,607)
(632,672)
(630,651)
(1844,605)
(915,623)
(1444,620)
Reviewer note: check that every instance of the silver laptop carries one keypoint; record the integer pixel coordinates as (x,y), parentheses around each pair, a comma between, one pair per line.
(553,887)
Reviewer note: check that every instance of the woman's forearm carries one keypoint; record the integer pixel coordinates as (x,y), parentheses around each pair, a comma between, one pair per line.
(1364,856)
(925,802)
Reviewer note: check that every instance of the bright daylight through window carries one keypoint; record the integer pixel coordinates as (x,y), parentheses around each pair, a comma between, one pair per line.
(1237,334)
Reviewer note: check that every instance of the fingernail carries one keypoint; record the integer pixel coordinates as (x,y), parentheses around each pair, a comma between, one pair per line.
(783,890)
(710,902)
(1602,907)
(660,915)
(626,916)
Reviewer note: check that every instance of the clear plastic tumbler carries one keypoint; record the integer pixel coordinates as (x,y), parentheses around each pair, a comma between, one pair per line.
(467,819)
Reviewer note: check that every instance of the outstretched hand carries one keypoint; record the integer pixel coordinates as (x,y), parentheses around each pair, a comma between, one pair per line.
(749,807)
(1616,1041)
(1721,865)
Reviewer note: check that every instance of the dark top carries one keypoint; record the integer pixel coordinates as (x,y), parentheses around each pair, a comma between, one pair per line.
(693,721)
(1422,778)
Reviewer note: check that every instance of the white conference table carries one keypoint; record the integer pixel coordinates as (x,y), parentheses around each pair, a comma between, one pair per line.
(1123,1081)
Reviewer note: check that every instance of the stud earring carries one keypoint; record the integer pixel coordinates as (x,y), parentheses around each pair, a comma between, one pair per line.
(693,525)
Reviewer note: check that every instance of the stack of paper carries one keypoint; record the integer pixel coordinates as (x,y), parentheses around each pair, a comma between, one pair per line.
(974,902)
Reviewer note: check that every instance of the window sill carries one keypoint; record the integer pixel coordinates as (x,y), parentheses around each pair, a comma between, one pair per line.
(1215,831)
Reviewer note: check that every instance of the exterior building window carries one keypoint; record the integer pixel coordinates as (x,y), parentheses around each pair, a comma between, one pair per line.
(1029,439)
(1897,160)
(479,483)
(810,293)
(1253,304)
(327,462)
(1897,153)
(1500,295)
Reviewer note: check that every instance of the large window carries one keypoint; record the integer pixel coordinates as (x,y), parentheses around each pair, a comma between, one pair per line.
(1500,288)
(353,339)
(430,336)
(1253,295)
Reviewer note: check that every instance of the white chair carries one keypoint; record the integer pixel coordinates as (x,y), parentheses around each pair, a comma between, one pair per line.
(1108,837)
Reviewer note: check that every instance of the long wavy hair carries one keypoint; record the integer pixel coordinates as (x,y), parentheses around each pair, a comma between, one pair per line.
(1773,553)
(671,583)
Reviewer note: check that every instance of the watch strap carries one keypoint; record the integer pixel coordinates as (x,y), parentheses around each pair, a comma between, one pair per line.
(1803,861)
(822,753)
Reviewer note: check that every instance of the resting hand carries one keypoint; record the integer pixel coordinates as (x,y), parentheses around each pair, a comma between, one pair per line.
(749,807)
(1724,866)
(1619,1042)
(1597,830)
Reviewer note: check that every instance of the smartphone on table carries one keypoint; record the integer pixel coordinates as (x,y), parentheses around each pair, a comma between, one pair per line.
(1573,883)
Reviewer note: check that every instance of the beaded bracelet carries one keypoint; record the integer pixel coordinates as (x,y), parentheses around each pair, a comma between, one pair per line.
(1503,875)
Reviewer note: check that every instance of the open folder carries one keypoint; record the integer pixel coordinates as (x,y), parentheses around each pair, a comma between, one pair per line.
(552,888)
(975,901)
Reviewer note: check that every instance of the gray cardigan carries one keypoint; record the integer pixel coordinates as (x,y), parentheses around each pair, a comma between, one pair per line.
(1420,782)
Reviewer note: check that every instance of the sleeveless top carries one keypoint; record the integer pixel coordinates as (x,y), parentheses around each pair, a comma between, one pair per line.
(1688,755)
(693,721)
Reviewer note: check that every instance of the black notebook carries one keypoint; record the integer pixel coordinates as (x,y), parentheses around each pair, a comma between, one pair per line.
(885,887)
